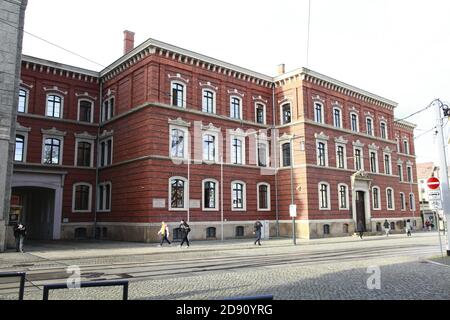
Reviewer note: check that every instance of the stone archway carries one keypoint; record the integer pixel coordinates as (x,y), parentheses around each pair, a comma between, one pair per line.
(361,200)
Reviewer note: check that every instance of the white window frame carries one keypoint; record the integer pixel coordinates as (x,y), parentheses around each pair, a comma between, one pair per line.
(407,146)
(393,199)
(92,109)
(183,102)
(216,146)
(27,99)
(214,100)
(412,174)
(390,163)
(357,121)
(345,155)
(244,196)
(372,133)
(103,184)
(402,201)
(376,161)
(61,149)
(185,193)
(216,196)
(340,117)
(268,196)
(362,157)
(328,196)
(326,152)
(108,114)
(322,113)
(265,112)
(91,161)
(401,176)
(385,130)
(347,207)
(378,199)
(281,153)
(186,142)
(24,133)
(74,188)
(240,107)
(282,115)
(243,151)
(102,165)
(61,111)
(412,204)
(266,143)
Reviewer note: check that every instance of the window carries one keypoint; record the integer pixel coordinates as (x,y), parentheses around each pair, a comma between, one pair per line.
(326,229)
(405,147)
(177,143)
(324,196)
(106,146)
(82,197)
(373,162)
(209,147)
(54,106)
(84,152)
(400,172)
(343,197)
(340,157)
(376,198)
(286,113)
(238,196)
(19,152)
(412,202)
(52,151)
(23,101)
(177,187)
(85,111)
(236,108)
(108,109)
(321,154)
(318,112)
(337,117)
(104,197)
(210,232)
(397,141)
(260,111)
(178,95)
(403,201)
(387,164)
(390,199)
(263,197)
(210,195)
(263,154)
(383,130)
(286,154)
(369,126)
(237,150)
(358,159)
(239,231)
(409,174)
(209,101)
(354,122)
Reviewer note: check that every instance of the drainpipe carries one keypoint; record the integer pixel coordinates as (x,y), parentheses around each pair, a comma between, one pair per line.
(97,160)
(275,144)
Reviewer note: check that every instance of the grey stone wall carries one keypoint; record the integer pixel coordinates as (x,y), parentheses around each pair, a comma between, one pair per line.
(12,14)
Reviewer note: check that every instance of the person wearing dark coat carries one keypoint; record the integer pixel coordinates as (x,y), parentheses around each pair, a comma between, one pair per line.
(257,231)
(360,229)
(185,229)
(19,233)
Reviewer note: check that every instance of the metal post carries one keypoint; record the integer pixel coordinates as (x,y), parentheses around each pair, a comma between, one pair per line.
(445,190)
(221,194)
(294,236)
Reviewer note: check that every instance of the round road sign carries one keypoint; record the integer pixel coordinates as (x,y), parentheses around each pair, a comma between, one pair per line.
(433,183)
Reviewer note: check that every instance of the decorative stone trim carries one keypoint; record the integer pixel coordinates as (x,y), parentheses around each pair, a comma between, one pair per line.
(318,98)
(211,128)
(208,85)
(236,92)
(285,99)
(85,135)
(106,134)
(85,95)
(322,136)
(259,98)
(387,150)
(399,161)
(21,128)
(25,85)
(354,109)
(55,89)
(358,144)
(178,77)
(285,136)
(340,140)
(373,146)
(180,122)
(237,132)
(53,132)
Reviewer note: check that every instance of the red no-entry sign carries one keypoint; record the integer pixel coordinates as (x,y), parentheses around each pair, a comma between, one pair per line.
(433,183)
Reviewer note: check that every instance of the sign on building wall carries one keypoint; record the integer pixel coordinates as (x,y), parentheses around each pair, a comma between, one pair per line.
(159,203)
(194,204)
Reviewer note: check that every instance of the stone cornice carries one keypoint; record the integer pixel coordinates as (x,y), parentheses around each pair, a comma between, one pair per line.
(85,135)
(54,132)
(180,122)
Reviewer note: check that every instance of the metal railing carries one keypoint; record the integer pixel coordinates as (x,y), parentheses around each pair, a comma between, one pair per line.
(21,275)
(94,284)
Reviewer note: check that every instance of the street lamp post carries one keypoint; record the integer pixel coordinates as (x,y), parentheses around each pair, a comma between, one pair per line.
(294,235)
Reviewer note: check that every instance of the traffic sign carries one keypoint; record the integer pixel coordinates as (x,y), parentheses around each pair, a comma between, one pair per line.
(433,183)
(436,204)
(434,195)
(293,211)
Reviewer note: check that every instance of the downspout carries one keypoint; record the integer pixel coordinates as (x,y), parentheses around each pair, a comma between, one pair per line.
(275,143)
(96,158)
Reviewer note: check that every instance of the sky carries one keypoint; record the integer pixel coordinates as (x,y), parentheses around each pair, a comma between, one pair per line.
(397,49)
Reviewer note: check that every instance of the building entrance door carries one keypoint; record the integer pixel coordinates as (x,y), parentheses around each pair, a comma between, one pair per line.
(360,208)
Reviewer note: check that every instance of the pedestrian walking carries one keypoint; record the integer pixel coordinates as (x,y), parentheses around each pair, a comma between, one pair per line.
(408,228)
(164,233)
(185,229)
(387,227)
(19,233)
(360,229)
(257,231)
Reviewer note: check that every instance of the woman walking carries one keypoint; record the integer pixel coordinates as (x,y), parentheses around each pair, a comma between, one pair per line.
(185,229)
(164,233)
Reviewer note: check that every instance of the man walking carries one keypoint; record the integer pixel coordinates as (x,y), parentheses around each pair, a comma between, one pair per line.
(164,232)
(19,233)
(185,229)
(257,231)
(360,229)
(386,227)
(408,228)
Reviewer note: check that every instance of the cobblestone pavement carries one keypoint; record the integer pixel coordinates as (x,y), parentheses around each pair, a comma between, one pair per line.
(316,269)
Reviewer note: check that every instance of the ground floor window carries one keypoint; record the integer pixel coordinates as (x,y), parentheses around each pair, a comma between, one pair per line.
(239,231)
(211,232)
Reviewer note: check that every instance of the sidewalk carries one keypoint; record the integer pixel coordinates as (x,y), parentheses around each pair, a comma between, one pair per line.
(65,250)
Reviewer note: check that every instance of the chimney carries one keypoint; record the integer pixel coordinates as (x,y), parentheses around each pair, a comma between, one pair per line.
(128,41)
(281,69)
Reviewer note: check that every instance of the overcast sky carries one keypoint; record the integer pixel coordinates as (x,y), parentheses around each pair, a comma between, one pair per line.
(398,49)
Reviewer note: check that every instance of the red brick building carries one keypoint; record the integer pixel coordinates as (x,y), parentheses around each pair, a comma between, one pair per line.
(165,134)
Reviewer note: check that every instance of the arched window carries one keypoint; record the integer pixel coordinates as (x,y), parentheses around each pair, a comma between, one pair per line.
(54,106)
(178,94)
(402,201)
(209,101)
(235,107)
(238,196)
(412,202)
(209,147)
(239,231)
(85,110)
(376,198)
(354,122)
(178,143)
(82,197)
(19,151)
(104,196)
(286,113)
(383,130)
(260,113)
(337,117)
(84,153)
(345,228)
(210,232)
(108,109)
(23,101)
(318,112)
(238,150)
(405,146)
(390,199)
(263,196)
(324,196)
(177,197)
(52,151)
(343,196)
(326,229)
(210,195)
(369,126)
(286,154)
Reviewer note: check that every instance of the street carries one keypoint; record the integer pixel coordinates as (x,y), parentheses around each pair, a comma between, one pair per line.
(332,268)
